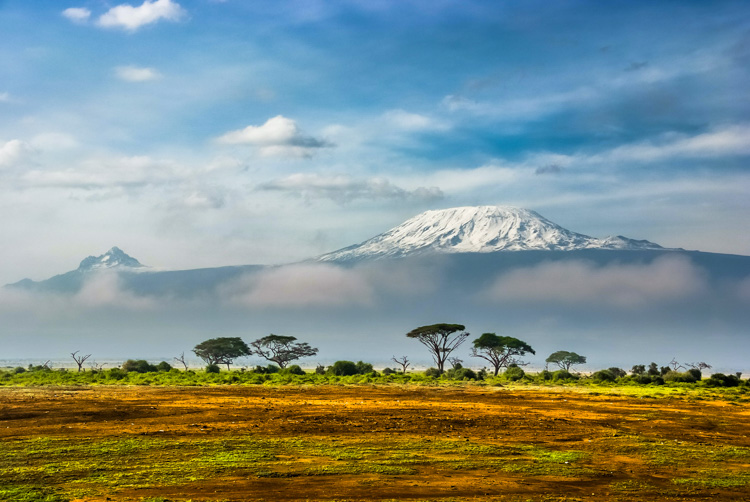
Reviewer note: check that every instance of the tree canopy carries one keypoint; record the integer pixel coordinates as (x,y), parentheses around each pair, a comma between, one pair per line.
(440,340)
(500,351)
(281,349)
(222,350)
(565,359)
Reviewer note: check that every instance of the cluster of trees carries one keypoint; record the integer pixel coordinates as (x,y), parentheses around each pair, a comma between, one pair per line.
(278,349)
(441,340)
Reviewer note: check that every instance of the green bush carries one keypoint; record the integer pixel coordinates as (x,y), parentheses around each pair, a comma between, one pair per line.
(116,374)
(604,376)
(364,368)
(344,368)
(563,375)
(213,368)
(722,380)
(139,366)
(514,373)
(389,371)
(267,370)
(163,366)
(546,375)
(618,372)
(461,373)
(432,372)
(18,370)
(676,376)
(642,378)
(294,369)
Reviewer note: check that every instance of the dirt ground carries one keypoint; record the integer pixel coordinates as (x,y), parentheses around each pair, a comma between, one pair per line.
(240,443)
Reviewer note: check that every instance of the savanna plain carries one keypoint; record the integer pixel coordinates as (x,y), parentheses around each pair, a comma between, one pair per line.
(460,442)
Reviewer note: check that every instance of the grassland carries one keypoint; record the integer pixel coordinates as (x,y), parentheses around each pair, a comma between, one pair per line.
(436,441)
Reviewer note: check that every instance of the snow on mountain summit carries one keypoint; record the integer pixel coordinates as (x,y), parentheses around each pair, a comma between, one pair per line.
(481,229)
(114,258)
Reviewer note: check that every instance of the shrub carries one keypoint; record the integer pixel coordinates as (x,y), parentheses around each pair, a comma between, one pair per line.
(294,369)
(657,380)
(618,372)
(139,366)
(696,374)
(19,369)
(514,373)
(676,376)
(461,373)
(563,375)
(363,368)
(116,374)
(642,379)
(266,370)
(389,371)
(722,380)
(163,366)
(545,375)
(213,368)
(344,368)
(604,376)
(432,372)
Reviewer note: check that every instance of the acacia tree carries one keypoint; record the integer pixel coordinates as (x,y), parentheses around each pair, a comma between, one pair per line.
(222,350)
(565,359)
(500,351)
(281,349)
(440,340)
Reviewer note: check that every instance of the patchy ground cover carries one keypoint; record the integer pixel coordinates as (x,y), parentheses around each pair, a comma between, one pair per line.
(243,443)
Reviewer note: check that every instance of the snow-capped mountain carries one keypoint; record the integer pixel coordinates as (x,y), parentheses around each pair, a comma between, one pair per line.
(482,229)
(114,258)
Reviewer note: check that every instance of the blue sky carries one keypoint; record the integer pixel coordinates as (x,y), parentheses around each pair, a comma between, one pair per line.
(205,133)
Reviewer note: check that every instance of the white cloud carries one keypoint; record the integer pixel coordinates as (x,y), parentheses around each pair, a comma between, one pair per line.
(344,188)
(131,18)
(12,152)
(136,74)
(77,14)
(4,97)
(278,136)
(104,290)
(53,141)
(730,140)
(583,283)
(302,286)
(106,173)
(407,121)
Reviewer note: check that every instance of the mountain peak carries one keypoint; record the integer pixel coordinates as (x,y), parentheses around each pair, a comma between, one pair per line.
(114,258)
(480,229)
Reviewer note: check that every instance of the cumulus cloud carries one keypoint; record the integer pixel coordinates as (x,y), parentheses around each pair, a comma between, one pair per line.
(668,279)
(131,18)
(4,97)
(12,152)
(344,188)
(314,285)
(278,136)
(77,14)
(136,74)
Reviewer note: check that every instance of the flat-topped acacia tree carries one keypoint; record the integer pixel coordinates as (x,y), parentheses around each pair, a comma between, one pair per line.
(222,350)
(281,349)
(565,359)
(440,340)
(500,351)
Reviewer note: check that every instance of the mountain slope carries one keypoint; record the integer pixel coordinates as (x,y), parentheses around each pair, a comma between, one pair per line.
(483,229)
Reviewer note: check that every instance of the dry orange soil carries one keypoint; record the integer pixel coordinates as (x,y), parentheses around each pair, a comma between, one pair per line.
(241,443)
